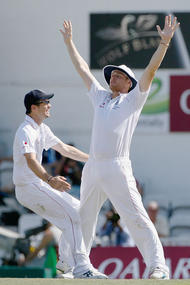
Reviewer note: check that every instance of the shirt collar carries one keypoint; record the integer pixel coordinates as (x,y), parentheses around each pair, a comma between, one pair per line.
(32,122)
(119,96)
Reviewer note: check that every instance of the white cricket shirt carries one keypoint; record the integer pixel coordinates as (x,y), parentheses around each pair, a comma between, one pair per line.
(114,121)
(30,138)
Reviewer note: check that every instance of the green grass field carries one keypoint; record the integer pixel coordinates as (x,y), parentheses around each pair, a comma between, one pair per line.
(46,281)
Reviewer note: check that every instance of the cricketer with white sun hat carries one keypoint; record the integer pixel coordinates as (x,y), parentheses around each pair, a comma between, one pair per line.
(108,172)
(124,69)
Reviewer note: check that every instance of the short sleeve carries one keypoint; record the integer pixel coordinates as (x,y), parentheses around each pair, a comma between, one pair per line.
(96,93)
(26,142)
(139,98)
(50,138)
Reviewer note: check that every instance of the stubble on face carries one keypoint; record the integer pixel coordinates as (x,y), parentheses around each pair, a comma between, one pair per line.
(44,110)
(119,82)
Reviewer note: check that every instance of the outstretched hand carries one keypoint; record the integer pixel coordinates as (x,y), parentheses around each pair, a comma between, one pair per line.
(59,183)
(67,31)
(169,29)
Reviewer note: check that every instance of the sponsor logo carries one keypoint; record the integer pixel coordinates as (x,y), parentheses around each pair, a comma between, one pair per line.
(130,37)
(115,268)
(127,262)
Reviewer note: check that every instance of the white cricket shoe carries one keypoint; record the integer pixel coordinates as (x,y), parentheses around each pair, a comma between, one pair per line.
(95,271)
(91,275)
(64,270)
(159,273)
(63,266)
(68,275)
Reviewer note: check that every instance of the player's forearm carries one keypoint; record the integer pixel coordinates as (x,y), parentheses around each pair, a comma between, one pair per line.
(152,67)
(57,182)
(77,60)
(157,57)
(80,64)
(38,169)
(77,154)
(71,152)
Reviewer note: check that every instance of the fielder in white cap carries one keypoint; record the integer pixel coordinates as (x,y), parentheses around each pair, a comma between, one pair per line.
(108,172)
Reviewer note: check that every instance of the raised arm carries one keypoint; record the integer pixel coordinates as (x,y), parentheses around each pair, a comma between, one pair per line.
(166,35)
(79,63)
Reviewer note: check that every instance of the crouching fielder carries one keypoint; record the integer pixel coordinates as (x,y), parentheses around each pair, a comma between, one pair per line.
(44,194)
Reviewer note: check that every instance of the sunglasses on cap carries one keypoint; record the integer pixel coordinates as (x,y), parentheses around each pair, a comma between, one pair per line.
(44,101)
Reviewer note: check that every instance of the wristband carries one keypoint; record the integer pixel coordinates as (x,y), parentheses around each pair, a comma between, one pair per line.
(163,43)
(49,178)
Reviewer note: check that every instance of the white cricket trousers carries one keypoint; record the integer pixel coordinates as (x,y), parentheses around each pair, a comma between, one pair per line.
(113,179)
(62,210)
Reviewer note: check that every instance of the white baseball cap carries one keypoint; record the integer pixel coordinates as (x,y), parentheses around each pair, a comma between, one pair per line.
(123,68)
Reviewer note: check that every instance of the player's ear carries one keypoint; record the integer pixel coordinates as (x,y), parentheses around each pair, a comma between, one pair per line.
(33,107)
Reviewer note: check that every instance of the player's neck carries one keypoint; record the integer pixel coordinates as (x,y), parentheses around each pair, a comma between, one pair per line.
(38,120)
(115,94)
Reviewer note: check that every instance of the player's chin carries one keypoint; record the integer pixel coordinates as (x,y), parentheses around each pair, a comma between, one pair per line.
(47,115)
(113,87)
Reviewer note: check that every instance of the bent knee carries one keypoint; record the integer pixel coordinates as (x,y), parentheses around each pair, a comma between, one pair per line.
(74,215)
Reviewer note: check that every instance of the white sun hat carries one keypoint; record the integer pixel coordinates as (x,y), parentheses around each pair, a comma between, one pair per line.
(123,68)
